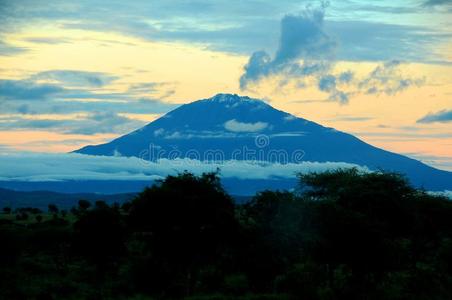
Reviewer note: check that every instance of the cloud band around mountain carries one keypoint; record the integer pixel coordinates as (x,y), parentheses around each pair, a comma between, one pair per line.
(72,166)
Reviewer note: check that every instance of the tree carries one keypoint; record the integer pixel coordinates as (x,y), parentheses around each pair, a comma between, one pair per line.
(100,204)
(22,216)
(7,210)
(188,221)
(100,236)
(53,208)
(84,204)
(274,236)
(380,230)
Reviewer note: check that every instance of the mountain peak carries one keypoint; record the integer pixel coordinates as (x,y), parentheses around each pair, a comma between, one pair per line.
(231,98)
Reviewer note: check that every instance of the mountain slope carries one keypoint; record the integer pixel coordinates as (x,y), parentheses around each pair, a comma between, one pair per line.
(232,127)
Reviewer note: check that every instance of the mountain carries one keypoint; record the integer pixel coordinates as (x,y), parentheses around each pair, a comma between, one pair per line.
(229,126)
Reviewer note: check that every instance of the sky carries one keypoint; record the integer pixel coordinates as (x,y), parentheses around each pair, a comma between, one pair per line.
(74,73)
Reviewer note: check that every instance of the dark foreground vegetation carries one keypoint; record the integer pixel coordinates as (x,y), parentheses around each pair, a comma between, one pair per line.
(343,235)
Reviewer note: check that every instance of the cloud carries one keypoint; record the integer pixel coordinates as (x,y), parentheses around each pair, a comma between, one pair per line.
(446,193)
(93,123)
(72,166)
(346,77)
(153,88)
(47,40)
(58,106)
(303,49)
(437,2)
(442,116)
(306,53)
(350,118)
(387,79)
(7,49)
(236,126)
(439,162)
(106,122)
(328,84)
(303,36)
(69,91)
(240,26)
(26,89)
(388,41)
(51,84)
(72,78)
(60,92)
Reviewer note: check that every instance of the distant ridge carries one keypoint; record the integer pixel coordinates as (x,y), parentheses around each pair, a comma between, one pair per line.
(41,199)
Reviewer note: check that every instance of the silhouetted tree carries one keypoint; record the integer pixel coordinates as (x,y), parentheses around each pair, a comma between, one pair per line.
(126,206)
(53,208)
(188,221)
(84,204)
(100,204)
(100,236)
(344,234)
(22,216)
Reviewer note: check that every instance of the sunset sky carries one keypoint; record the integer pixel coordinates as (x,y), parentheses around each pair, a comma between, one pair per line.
(74,73)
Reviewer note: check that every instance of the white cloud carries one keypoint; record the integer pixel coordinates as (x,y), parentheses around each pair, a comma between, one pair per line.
(159,132)
(73,166)
(290,118)
(446,193)
(236,126)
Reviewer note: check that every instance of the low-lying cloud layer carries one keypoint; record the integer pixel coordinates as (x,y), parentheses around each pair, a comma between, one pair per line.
(72,166)
(446,193)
